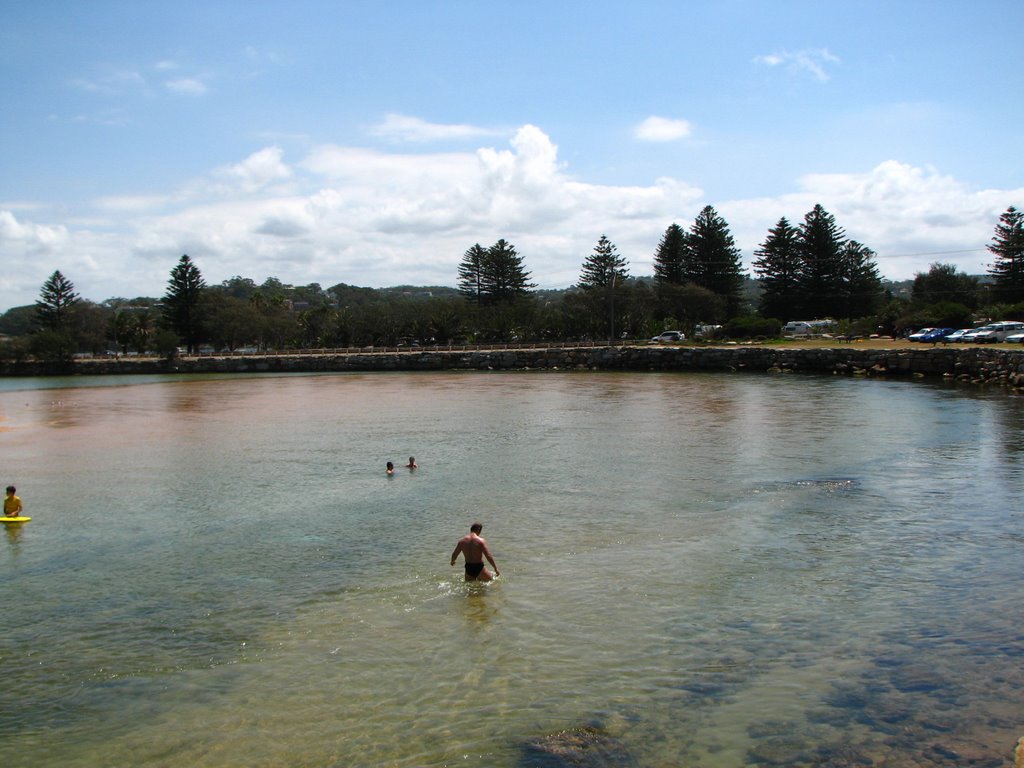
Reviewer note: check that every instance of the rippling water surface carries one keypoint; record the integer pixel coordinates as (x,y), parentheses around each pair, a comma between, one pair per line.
(706,570)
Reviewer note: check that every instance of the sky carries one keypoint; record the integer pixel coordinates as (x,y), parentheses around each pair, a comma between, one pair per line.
(373,142)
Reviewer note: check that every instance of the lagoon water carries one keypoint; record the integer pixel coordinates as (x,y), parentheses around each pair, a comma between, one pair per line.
(709,570)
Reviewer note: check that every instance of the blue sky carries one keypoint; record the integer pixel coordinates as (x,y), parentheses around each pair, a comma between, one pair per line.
(373,142)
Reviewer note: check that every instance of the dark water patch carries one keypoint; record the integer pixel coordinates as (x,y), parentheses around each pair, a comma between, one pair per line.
(820,756)
(779,743)
(585,747)
(922,678)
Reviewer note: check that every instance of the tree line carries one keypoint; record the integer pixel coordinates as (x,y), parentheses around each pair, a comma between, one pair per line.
(805,271)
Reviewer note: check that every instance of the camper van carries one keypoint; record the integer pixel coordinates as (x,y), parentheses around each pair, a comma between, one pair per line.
(807,327)
(796,328)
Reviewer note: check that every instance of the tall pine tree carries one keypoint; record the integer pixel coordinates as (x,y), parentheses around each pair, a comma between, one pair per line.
(181,308)
(671,256)
(778,265)
(1008,248)
(471,273)
(862,285)
(503,278)
(603,267)
(821,280)
(57,301)
(713,260)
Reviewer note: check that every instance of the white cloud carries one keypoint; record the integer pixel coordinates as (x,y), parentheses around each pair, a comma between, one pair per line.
(34,238)
(662,129)
(910,216)
(130,203)
(812,61)
(111,82)
(364,217)
(257,172)
(404,128)
(188,85)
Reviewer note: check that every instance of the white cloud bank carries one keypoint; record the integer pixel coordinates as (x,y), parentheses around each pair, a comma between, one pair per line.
(364,217)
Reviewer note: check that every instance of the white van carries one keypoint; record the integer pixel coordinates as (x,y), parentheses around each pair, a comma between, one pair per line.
(997,331)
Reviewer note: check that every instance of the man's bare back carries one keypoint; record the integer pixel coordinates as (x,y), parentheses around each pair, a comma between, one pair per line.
(474,550)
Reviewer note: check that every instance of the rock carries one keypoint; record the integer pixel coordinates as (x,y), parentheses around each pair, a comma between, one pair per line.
(1018,754)
(578,748)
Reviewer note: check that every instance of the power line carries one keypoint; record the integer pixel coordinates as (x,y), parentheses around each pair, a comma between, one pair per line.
(935,253)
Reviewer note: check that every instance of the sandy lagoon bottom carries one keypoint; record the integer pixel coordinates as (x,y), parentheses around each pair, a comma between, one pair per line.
(707,570)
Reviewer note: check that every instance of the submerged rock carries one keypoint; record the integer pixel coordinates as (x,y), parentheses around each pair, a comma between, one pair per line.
(577,748)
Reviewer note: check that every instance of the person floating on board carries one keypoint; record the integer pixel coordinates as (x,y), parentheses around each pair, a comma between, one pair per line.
(412,463)
(474,550)
(12,504)
(390,468)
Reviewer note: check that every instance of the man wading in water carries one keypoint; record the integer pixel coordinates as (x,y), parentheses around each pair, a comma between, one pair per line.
(474,550)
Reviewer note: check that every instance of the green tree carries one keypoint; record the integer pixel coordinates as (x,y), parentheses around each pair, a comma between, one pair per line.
(778,265)
(120,330)
(142,330)
(714,260)
(604,267)
(503,278)
(821,244)
(471,273)
(56,340)
(57,302)
(603,274)
(20,321)
(1008,248)
(671,257)
(239,287)
(91,322)
(234,322)
(862,285)
(689,304)
(181,303)
(943,283)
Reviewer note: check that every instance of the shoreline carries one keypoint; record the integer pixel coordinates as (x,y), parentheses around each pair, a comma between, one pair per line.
(981,364)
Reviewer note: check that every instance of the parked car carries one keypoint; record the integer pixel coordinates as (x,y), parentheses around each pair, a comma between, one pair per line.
(669,336)
(936,334)
(957,335)
(917,335)
(971,335)
(1015,338)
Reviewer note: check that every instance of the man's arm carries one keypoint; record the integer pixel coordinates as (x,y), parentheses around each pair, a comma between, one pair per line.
(455,554)
(490,559)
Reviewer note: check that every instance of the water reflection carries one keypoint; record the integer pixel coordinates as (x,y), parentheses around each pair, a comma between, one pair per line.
(13,531)
(479,606)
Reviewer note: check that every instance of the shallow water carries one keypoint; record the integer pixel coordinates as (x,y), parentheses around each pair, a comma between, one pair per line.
(712,570)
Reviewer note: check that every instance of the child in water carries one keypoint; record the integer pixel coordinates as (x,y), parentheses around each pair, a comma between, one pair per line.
(12,504)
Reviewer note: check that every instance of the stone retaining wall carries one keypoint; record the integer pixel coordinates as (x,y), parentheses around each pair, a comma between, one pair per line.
(989,365)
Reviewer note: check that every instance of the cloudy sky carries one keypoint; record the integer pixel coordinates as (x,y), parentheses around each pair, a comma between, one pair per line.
(372,142)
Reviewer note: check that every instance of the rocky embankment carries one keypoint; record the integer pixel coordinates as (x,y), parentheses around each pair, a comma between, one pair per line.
(978,365)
